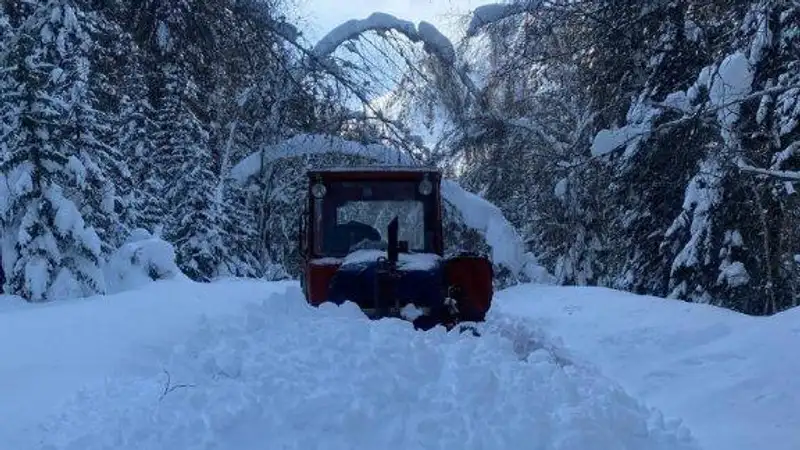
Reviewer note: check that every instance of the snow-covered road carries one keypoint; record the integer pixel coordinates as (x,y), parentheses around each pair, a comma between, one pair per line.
(248,365)
(49,352)
(733,379)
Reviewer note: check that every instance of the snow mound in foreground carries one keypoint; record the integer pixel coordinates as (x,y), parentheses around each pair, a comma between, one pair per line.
(286,376)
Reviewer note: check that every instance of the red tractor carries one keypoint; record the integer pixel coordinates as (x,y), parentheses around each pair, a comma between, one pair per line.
(373,236)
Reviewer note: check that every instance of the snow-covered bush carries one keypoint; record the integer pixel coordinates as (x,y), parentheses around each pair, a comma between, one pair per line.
(141,259)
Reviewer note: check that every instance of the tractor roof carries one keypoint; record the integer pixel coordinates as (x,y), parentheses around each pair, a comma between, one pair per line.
(375,172)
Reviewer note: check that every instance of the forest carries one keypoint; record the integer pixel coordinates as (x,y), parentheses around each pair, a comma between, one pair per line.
(649,146)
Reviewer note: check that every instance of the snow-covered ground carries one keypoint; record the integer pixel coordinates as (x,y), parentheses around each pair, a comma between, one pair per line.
(49,352)
(733,379)
(248,365)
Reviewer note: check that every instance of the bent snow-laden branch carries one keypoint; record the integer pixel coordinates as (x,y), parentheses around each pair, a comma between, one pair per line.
(784,175)
(434,41)
(495,12)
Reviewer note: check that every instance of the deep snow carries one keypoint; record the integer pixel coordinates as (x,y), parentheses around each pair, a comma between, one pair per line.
(248,365)
(732,378)
(49,351)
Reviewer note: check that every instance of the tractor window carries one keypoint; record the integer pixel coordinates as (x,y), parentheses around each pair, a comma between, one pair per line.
(378,214)
(353,215)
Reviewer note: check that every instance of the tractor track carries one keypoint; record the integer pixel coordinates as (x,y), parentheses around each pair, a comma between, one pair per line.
(525,337)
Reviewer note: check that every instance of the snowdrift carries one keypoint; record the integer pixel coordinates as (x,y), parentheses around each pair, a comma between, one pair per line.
(249,365)
(731,378)
(140,260)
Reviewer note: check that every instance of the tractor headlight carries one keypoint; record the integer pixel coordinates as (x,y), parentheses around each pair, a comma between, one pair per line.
(318,190)
(425,187)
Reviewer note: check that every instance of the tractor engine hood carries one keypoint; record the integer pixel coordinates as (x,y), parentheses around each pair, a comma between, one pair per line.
(419,280)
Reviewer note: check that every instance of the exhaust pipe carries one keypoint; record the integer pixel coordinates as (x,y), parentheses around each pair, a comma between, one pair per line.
(394,248)
(386,273)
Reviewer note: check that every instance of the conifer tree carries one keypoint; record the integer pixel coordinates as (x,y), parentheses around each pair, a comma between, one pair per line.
(51,251)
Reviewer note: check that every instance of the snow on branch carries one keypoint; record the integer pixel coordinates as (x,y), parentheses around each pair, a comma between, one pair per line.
(316,144)
(434,41)
(352,29)
(728,86)
(495,12)
(485,217)
(778,174)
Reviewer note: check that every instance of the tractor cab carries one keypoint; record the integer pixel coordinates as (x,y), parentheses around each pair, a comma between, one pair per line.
(373,236)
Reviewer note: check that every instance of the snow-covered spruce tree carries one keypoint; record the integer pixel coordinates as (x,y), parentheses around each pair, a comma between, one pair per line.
(734,240)
(185,157)
(649,175)
(173,173)
(158,72)
(49,249)
(602,221)
(7,117)
(252,102)
(135,138)
(6,30)
(760,274)
(724,244)
(16,11)
(112,47)
(216,68)
(93,128)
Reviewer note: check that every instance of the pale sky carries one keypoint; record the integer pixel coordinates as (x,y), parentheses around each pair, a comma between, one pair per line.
(324,15)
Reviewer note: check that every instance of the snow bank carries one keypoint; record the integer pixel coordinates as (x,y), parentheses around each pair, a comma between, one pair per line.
(280,374)
(12,302)
(731,378)
(49,352)
(142,259)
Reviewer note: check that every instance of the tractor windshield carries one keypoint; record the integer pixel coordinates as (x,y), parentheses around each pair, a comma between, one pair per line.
(378,214)
(355,215)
